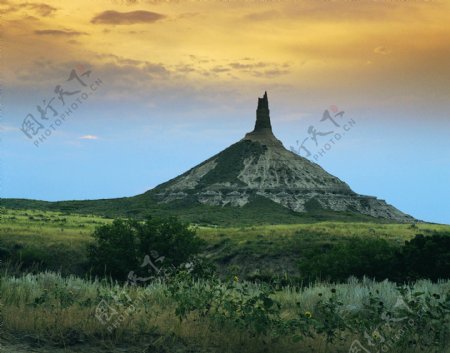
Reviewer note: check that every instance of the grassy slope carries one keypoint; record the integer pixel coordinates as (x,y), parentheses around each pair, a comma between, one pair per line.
(258,211)
(59,240)
(56,239)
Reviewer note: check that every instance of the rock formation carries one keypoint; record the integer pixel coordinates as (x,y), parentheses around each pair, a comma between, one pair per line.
(260,165)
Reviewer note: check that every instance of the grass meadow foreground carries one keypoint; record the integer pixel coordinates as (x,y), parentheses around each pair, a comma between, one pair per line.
(256,301)
(48,312)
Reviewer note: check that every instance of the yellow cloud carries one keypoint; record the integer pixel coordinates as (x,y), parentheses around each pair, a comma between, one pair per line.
(338,46)
(127,18)
(381,50)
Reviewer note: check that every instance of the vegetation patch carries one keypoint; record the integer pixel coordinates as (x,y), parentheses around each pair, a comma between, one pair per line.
(230,162)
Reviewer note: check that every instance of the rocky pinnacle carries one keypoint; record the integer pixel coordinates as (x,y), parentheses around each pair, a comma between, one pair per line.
(263,129)
(263,114)
(258,166)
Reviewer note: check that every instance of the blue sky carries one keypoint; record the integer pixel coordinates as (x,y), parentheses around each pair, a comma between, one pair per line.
(180,83)
(401,160)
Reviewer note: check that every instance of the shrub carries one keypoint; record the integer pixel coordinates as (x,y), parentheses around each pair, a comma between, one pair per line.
(233,303)
(422,257)
(122,246)
(425,257)
(358,257)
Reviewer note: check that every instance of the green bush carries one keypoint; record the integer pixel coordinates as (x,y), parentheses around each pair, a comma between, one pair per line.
(358,257)
(233,303)
(425,257)
(122,246)
(422,257)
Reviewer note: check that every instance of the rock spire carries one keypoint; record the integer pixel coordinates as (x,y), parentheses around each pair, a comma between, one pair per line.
(263,114)
(258,167)
(263,129)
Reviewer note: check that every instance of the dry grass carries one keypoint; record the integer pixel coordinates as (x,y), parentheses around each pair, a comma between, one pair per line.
(66,315)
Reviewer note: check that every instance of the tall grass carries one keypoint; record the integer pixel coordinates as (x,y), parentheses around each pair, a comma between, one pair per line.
(62,310)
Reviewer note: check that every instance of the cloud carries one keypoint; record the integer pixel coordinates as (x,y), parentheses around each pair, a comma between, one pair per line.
(73,41)
(381,51)
(127,18)
(262,16)
(58,32)
(155,69)
(40,8)
(261,69)
(88,137)
(238,65)
(273,73)
(189,15)
(220,68)
(139,69)
(7,128)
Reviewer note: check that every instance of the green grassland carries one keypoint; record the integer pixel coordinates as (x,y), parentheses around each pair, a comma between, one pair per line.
(58,240)
(55,240)
(55,312)
(258,211)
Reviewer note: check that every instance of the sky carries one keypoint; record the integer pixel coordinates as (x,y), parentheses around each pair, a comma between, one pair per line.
(113,97)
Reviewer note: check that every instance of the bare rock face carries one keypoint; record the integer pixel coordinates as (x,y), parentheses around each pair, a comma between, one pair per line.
(260,165)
